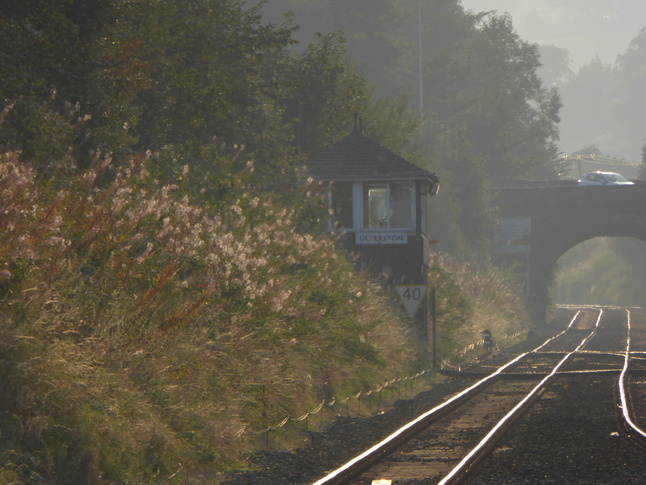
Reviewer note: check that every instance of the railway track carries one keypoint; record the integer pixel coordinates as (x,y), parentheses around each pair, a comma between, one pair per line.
(463,438)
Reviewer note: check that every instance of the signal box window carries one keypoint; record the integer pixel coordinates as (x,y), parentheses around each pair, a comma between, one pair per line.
(342,204)
(388,206)
(401,205)
(375,206)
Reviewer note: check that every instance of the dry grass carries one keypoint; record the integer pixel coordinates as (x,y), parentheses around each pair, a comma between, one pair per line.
(473,298)
(146,339)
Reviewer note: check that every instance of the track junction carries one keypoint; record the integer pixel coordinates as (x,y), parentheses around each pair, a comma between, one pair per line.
(558,413)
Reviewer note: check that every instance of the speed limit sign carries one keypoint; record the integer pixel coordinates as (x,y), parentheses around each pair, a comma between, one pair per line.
(411,296)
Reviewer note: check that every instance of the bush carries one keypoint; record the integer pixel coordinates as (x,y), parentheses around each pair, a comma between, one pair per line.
(145,337)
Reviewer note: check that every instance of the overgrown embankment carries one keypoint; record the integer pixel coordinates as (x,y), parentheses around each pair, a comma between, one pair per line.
(145,338)
(142,334)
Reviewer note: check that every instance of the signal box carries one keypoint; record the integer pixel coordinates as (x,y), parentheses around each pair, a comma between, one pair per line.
(379,203)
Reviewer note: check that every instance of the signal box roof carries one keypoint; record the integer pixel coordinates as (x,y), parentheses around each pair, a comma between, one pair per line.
(356,157)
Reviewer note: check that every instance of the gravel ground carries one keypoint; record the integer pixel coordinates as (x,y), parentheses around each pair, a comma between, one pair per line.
(576,441)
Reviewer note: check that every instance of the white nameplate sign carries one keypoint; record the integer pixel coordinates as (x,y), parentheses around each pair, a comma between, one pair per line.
(381,238)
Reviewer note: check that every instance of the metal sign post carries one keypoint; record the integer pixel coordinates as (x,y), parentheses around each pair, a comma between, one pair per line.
(432,322)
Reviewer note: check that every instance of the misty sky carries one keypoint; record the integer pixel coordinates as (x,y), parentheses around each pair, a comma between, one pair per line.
(586,28)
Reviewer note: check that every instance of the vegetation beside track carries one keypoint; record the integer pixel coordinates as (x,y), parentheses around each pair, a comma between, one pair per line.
(145,338)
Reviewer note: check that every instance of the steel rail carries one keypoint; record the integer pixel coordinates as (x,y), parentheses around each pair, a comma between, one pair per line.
(371,456)
(462,469)
(630,428)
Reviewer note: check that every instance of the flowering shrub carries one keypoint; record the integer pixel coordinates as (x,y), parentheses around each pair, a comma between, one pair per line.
(140,323)
(149,243)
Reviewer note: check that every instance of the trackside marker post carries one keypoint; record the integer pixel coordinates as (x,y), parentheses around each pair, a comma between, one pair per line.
(412,296)
(432,321)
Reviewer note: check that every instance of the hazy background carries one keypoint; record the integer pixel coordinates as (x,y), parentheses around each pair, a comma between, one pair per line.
(594,53)
(585,28)
(594,33)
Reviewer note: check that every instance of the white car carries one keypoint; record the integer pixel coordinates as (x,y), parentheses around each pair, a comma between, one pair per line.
(604,178)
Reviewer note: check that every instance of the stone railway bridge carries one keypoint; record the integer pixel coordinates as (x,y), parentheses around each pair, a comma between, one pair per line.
(555,217)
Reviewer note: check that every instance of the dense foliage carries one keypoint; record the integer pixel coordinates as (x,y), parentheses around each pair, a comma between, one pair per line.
(602,271)
(134,76)
(186,80)
(614,120)
(143,334)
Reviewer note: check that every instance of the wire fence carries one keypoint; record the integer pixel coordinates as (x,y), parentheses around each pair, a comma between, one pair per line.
(363,402)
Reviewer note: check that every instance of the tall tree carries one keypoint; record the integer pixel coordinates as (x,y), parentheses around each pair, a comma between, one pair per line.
(588,94)
(511,119)
(209,76)
(630,95)
(45,60)
(555,65)
(323,93)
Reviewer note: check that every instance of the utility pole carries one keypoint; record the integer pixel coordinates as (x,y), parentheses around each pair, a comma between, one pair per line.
(419,55)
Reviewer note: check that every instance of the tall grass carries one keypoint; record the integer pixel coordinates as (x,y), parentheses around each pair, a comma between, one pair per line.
(144,336)
(471,298)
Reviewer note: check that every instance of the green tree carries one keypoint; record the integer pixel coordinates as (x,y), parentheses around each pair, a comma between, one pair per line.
(367,26)
(207,81)
(588,107)
(642,165)
(324,92)
(511,120)
(45,53)
(490,119)
(555,65)
(630,103)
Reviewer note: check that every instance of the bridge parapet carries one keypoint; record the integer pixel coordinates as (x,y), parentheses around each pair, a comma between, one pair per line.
(571,200)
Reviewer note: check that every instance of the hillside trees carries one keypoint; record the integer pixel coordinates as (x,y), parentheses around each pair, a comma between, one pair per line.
(156,75)
(589,94)
(604,103)
(490,119)
(555,65)
(209,80)
(193,82)
(511,119)
(323,93)
(366,25)
(631,76)
(190,82)
(478,74)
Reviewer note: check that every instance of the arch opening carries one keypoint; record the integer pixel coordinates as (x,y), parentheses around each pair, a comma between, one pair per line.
(602,271)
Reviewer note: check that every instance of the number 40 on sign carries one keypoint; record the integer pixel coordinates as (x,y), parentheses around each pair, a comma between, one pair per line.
(411,296)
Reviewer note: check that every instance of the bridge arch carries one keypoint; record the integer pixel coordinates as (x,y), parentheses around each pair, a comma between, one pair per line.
(562,217)
(602,271)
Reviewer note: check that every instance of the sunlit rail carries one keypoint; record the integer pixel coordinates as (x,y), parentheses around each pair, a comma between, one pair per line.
(631,427)
(584,356)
